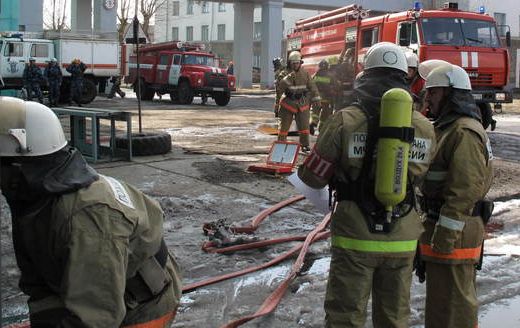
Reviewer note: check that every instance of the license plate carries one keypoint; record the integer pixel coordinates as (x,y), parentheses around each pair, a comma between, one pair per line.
(477,96)
(218,89)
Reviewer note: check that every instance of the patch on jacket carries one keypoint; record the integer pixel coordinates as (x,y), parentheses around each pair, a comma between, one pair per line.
(120,193)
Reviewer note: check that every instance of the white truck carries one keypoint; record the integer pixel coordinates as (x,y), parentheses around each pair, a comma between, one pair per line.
(101,56)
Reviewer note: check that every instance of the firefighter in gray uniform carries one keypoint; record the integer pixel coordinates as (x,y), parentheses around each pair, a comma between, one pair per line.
(90,248)
(32,78)
(372,253)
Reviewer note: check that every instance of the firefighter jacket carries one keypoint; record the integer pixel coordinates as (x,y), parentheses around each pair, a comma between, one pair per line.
(90,249)
(460,176)
(32,74)
(338,155)
(53,73)
(327,84)
(298,91)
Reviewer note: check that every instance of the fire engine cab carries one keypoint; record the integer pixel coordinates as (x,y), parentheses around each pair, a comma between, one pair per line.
(183,70)
(467,39)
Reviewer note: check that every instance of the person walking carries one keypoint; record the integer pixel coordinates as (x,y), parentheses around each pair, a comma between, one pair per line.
(116,88)
(296,92)
(372,253)
(90,248)
(453,200)
(54,78)
(328,87)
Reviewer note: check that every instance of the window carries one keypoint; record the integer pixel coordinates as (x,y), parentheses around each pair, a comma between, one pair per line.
(21,28)
(221,32)
(369,37)
(39,50)
(205,7)
(164,60)
(175,33)
(256,61)
(407,34)
(500,18)
(177,60)
(459,32)
(175,8)
(189,33)
(14,49)
(189,7)
(204,33)
(221,7)
(257,31)
(198,60)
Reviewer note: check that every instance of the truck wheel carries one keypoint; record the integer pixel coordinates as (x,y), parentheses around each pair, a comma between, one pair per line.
(174,96)
(146,144)
(89,91)
(184,93)
(222,98)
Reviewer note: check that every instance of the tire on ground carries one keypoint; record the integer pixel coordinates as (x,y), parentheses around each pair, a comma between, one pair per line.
(146,143)
(89,91)
(222,98)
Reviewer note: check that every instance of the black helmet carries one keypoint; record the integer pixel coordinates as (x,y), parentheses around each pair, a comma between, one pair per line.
(324,64)
(277,62)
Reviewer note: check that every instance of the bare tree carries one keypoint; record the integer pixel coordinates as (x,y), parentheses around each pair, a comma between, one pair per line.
(123,18)
(148,8)
(55,15)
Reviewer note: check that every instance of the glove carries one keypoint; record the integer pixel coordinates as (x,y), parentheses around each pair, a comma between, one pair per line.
(444,239)
(312,128)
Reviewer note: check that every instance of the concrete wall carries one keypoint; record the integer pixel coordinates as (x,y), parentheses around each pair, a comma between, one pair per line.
(9,15)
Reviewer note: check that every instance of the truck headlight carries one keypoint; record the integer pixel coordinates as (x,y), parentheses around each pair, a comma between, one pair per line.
(199,81)
(500,96)
(232,83)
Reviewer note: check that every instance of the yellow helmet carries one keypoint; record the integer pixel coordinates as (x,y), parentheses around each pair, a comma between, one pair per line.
(294,56)
(333,60)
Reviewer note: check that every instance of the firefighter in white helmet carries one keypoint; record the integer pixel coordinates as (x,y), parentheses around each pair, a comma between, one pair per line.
(369,254)
(299,91)
(415,80)
(90,248)
(454,190)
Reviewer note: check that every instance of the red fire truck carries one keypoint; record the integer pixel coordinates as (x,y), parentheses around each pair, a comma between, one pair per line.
(467,39)
(183,70)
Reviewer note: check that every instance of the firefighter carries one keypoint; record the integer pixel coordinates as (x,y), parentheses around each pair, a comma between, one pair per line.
(76,69)
(454,188)
(54,77)
(415,81)
(370,255)
(32,78)
(90,248)
(328,87)
(116,88)
(298,90)
(345,71)
(280,71)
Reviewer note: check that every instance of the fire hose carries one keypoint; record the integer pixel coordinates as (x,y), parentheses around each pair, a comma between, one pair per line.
(272,301)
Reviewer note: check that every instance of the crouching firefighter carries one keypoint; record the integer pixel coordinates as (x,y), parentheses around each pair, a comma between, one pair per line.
(89,247)
(375,226)
(299,91)
(454,190)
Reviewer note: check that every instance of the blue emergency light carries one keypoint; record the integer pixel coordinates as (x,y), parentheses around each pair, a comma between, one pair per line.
(482,10)
(417,5)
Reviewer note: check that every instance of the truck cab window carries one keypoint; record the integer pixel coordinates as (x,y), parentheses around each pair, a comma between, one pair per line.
(407,34)
(164,60)
(14,49)
(39,50)
(177,60)
(369,37)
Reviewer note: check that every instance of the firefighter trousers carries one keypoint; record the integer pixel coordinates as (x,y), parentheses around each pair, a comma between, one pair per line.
(451,296)
(354,276)
(302,123)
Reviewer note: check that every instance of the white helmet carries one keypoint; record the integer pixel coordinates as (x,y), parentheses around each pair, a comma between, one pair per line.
(448,76)
(427,66)
(294,56)
(28,129)
(411,59)
(386,54)
(53,60)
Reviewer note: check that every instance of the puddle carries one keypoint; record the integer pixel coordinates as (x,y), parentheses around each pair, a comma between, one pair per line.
(504,314)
